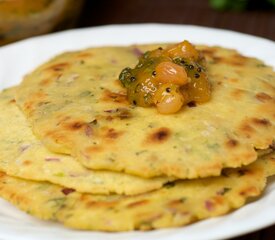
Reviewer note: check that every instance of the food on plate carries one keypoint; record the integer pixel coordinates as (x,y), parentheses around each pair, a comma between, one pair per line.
(168,78)
(176,204)
(22,155)
(76,105)
(138,138)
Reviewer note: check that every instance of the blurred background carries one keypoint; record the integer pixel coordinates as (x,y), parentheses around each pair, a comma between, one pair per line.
(20,19)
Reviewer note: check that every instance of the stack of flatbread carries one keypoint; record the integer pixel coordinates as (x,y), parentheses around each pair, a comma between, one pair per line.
(73,150)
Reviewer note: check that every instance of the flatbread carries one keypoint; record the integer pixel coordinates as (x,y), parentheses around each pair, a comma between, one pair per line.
(174,205)
(22,155)
(76,105)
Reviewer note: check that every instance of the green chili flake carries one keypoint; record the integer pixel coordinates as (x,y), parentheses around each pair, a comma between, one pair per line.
(59,174)
(86,94)
(213,146)
(141,152)
(169,185)
(261,65)
(182,200)
(58,202)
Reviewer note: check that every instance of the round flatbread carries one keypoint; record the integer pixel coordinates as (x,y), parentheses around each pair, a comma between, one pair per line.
(174,205)
(24,156)
(76,105)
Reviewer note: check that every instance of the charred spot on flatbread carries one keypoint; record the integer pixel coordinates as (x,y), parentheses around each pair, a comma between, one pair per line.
(116,97)
(159,135)
(263,97)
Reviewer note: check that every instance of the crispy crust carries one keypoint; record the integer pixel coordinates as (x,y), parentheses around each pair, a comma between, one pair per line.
(197,142)
(171,206)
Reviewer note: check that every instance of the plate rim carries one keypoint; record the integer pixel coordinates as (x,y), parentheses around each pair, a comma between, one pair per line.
(21,44)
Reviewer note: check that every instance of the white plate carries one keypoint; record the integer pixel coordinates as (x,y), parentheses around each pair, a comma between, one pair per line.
(19,58)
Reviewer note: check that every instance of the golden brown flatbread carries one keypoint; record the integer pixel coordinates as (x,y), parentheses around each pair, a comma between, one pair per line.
(176,204)
(22,155)
(76,105)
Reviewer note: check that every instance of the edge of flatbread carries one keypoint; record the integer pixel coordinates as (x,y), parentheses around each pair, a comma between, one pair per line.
(24,156)
(176,204)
